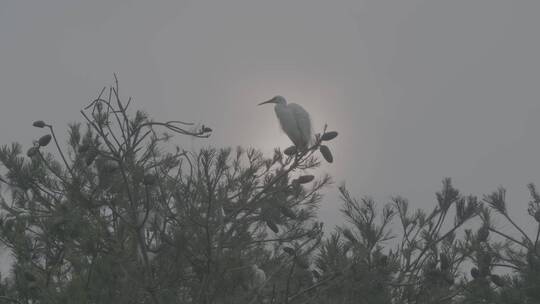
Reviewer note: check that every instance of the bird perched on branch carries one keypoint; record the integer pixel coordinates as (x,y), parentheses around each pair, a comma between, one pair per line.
(294,121)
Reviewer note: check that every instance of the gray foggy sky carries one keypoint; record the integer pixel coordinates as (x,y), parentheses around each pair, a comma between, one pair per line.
(419,90)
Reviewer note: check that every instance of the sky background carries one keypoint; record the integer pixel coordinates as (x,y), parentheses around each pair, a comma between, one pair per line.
(418,90)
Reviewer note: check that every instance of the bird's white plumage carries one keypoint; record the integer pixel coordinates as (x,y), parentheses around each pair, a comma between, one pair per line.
(258,276)
(294,121)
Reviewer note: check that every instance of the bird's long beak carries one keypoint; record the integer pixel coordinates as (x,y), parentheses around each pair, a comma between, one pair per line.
(273,100)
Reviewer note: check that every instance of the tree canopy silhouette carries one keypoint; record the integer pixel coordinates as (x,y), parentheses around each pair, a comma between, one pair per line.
(120,214)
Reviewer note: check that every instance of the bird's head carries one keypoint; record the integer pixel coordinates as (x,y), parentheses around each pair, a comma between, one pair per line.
(277,100)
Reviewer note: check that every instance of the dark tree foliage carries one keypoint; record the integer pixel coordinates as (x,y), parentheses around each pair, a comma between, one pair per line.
(119,218)
(369,263)
(427,258)
(120,214)
(492,249)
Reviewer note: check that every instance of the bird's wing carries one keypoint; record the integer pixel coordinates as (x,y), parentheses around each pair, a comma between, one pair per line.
(303,123)
(288,123)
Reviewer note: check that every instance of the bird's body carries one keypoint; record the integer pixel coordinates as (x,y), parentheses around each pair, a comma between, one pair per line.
(258,276)
(294,121)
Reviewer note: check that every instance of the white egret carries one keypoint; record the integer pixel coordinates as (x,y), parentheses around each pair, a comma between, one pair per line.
(258,276)
(294,121)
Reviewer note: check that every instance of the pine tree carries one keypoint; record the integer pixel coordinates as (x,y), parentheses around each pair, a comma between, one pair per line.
(120,216)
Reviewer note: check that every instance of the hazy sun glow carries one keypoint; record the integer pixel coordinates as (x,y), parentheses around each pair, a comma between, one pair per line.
(315,96)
